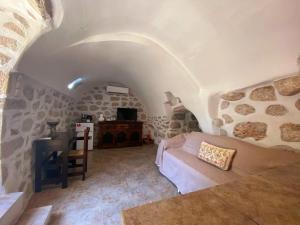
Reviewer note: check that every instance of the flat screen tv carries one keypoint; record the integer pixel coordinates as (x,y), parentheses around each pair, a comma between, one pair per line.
(127,114)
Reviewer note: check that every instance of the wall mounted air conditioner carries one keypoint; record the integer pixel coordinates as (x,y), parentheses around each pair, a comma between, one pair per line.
(115,89)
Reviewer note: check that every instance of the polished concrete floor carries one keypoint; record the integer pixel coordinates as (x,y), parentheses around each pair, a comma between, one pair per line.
(117,179)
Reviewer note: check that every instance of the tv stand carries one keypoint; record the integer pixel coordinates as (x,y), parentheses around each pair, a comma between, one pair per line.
(117,134)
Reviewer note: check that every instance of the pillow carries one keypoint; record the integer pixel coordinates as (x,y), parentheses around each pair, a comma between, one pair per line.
(217,156)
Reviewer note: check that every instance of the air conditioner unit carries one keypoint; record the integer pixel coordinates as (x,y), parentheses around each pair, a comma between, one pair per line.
(114,89)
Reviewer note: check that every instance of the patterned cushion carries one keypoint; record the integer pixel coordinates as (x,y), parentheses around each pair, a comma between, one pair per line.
(217,156)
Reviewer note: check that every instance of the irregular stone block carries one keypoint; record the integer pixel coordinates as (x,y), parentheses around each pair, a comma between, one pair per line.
(217,122)
(169,134)
(56,94)
(10,147)
(143,116)
(4,77)
(114,98)
(17,115)
(98,97)
(288,86)
(82,108)
(178,116)
(4,59)
(41,115)
(41,92)
(11,104)
(94,108)
(290,132)
(224,104)
(87,98)
(8,43)
(233,96)
(244,109)
(227,118)
(193,124)
(297,104)
(276,110)
(175,125)
(27,125)
(21,19)
(115,104)
(48,99)
(28,92)
(256,130)
(15,28)
(266,93)
(55,113)
(36,105)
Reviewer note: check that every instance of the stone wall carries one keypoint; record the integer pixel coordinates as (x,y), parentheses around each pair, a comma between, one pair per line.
(267,114)
(29,105)
(98,101)
(162,127)
(157,127)
(182,122)
(20,25)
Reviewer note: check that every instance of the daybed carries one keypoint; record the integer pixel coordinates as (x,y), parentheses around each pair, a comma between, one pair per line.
(177,160)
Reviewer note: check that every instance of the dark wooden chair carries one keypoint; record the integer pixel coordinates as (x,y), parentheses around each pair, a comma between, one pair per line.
(82,154)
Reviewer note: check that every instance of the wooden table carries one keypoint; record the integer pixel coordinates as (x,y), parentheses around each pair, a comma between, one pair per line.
(52,149)
(268,198)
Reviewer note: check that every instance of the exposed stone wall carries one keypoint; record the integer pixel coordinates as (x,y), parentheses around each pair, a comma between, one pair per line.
(20,25)
(29,105)
(180,122)
(267,114)
(98,101)
(157,127)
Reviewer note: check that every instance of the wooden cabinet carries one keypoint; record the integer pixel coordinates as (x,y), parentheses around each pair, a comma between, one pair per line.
(116,134)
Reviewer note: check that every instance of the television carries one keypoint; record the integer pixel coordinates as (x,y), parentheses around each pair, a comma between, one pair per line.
(127,114)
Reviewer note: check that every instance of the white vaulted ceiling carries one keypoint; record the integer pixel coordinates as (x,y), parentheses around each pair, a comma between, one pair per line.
(193,48)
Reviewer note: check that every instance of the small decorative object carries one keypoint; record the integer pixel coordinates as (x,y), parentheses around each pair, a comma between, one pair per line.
(101,117)
(52,125)
(147,139)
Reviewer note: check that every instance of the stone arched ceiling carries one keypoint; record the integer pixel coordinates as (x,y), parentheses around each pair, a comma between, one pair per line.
(193,48)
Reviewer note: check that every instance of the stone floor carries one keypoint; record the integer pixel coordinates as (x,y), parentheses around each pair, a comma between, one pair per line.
(117,179)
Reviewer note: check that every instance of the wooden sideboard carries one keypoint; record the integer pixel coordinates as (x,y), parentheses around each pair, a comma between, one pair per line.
(116,134)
